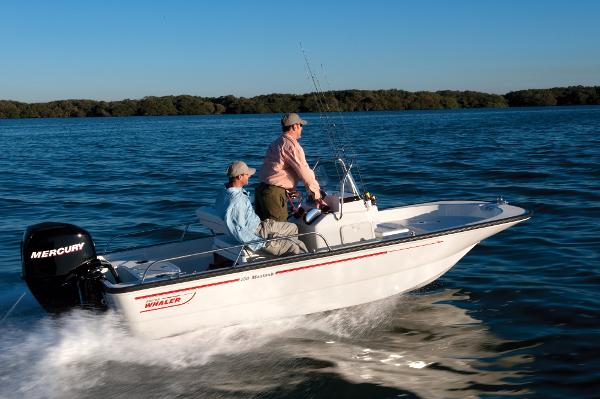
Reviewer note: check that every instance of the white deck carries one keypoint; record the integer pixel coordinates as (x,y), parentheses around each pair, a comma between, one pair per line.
(359,225)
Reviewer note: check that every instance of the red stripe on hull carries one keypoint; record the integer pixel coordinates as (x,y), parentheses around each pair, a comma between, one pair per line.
(287,270)
(187,289)
(329,263)
(416,246)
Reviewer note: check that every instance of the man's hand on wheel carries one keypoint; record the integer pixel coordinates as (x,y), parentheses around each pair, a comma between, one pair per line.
(320,203)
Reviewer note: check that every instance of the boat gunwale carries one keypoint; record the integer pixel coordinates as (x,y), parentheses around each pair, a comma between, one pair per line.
(295,258)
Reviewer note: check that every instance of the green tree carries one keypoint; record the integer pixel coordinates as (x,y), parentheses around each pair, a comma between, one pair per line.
(157,106)
(190,105)
(9,109)
(123,108)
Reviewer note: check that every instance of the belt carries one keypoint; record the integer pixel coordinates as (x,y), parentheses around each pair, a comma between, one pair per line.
(272,185)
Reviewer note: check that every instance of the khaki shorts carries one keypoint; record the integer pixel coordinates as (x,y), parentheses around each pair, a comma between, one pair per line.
(291,245)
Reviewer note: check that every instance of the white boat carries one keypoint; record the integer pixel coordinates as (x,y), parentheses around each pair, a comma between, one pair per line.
(357,254)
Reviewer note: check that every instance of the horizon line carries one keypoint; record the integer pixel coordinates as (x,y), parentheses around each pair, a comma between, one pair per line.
(299,94)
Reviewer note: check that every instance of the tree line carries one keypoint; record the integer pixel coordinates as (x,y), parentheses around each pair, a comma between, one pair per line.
(342,100)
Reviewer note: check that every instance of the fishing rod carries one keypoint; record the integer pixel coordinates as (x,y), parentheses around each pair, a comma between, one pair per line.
(338,143)
(321,102)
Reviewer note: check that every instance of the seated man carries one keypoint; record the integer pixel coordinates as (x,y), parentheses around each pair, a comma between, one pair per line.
(234,207)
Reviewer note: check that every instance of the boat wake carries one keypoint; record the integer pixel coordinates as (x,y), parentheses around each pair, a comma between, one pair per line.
(410,343)
(82,351)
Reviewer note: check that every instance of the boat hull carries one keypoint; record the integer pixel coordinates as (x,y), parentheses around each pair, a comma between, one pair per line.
(301,286)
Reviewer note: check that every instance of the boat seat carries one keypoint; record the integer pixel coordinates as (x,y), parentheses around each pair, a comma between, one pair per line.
(209,218)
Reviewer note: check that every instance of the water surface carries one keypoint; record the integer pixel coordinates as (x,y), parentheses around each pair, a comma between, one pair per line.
(518,316)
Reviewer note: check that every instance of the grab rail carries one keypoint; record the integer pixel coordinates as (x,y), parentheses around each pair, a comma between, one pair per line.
(347,176)
(241,246)
(141,232)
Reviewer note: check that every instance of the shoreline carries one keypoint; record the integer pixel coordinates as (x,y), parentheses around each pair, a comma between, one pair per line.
(334,101)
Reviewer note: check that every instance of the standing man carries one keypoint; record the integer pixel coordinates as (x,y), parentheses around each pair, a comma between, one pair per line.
(234,207)
(284,165)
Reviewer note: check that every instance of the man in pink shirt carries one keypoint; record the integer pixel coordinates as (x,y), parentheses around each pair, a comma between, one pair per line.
(284,165)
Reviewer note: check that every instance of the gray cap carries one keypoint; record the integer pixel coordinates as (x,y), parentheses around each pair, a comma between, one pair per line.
(237,168)
(292,119)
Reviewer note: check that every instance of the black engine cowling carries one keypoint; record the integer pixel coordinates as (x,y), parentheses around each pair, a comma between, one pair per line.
(59,264)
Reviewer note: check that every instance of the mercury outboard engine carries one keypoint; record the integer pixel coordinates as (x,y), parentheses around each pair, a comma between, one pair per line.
(60,266)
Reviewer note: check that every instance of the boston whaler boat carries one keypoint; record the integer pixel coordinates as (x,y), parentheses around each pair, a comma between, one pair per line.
(357,254)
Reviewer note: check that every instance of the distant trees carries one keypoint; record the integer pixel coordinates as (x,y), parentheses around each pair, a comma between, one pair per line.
(574,95)
(123,108)
(341,100)
(10,109)
(529,98)
(190,105)
(157,106)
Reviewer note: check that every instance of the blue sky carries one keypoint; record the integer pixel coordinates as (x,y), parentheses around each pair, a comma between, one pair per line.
(111,50)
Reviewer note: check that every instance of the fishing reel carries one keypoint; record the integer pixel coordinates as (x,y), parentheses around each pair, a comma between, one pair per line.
(367,196)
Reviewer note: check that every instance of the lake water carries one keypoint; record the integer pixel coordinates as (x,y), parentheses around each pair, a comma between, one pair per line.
(518,316)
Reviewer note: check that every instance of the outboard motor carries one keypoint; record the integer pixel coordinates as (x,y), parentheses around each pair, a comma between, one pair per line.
(60,266)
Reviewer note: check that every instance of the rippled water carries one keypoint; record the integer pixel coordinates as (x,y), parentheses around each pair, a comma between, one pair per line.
(518,316)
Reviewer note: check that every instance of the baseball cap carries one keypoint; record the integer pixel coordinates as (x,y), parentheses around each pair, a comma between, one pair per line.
(292,119)
(237,168)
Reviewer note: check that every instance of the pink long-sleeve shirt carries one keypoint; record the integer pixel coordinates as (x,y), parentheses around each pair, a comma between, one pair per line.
(285,164)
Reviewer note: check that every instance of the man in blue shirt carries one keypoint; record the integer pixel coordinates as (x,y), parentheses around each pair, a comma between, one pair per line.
(243,224)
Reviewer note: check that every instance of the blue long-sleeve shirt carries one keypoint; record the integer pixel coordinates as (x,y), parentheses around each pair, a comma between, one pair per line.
(234,207)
